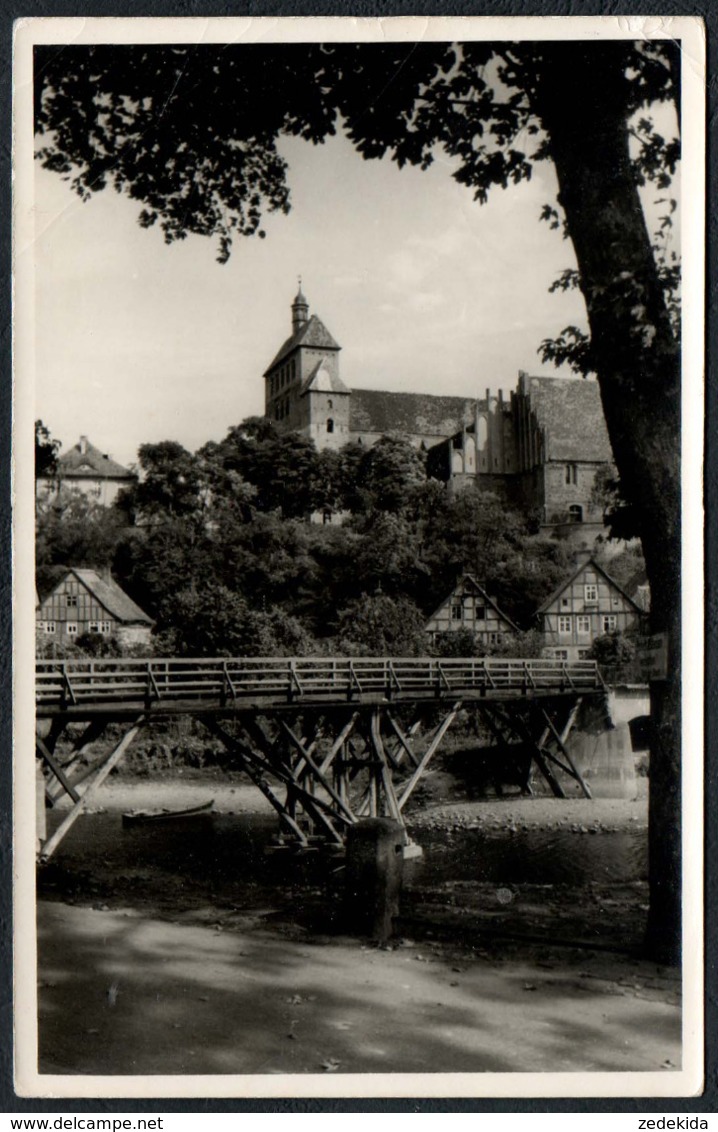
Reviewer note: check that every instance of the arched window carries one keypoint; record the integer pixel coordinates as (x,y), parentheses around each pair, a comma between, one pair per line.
(575,513)
(330,404)
(330,425)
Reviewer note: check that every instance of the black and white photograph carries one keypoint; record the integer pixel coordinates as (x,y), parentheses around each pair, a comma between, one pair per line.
(358,559)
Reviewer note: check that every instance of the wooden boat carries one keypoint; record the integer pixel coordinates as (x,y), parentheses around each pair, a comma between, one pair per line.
(142,817)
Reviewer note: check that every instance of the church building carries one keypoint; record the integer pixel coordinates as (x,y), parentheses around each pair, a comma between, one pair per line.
(540,448)
(304,393)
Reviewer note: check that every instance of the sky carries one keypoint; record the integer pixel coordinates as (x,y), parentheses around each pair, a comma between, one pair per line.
(424,289)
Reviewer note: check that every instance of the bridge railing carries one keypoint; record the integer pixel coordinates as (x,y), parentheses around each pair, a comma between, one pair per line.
(166,680)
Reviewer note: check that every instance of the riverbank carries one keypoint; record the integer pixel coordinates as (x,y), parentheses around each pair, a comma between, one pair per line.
(200,947)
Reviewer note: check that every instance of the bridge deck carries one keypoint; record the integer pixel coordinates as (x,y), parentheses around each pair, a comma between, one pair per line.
(318,736)
(82,688)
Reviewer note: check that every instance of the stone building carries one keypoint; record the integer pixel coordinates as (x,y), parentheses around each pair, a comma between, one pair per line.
(84,601)
(84,468)
(540,448)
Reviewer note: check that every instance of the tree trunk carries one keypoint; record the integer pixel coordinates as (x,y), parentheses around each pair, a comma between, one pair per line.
(581,95)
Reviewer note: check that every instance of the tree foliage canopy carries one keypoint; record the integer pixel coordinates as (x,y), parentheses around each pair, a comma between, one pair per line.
(191,131)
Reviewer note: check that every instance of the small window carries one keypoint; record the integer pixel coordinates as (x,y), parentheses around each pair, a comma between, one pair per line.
(330,425)
(583,624)
(71,601)
(480,613)
(495,638)
(560,654)
(105,626)
(583,654)
(93,627)
(330,404)
(609,623)
(571,473)
(575,513)
(456,611)
(564,624)
(565,602)
(590,592)
(71,628)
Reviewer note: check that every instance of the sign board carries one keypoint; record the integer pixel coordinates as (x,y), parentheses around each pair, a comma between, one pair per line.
(652,657)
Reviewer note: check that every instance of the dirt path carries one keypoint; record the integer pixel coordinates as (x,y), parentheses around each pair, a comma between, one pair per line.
(194,949)
(125,993)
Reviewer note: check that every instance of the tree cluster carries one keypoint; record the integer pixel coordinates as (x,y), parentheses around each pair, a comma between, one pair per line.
(216,546)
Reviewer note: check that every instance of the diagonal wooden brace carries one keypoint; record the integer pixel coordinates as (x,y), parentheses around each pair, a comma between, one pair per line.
(254,773)
(111,761)
(56,770)
(321,778)
(429,754)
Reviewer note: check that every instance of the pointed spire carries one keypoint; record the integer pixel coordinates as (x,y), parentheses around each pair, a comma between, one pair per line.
(300,309)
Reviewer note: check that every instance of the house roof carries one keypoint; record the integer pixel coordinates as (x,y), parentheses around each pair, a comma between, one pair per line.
(569,411)
(374,410)
(579,569)
(312,333)
(84,460)
(320,380)
(108,594)
(468,582)
(638,588)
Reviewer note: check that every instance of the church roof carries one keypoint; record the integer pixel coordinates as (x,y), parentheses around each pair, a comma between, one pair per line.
(569,411)
(311,333)
(373,410)
(320,380)
(84,460)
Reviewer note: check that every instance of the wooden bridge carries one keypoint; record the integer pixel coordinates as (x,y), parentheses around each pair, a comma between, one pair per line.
(326,740)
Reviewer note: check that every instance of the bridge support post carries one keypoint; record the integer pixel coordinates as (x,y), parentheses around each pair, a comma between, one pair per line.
(374,867)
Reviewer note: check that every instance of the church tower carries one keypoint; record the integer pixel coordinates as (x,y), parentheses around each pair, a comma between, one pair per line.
(302,388)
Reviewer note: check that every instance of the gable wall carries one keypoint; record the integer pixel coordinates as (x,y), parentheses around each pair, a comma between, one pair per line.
(573,604)
(71,603)
(477,617)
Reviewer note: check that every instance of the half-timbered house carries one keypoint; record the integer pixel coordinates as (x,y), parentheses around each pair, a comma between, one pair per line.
(469,607)
(587,605)
(86,602)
